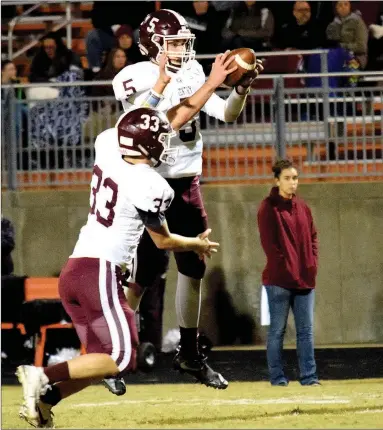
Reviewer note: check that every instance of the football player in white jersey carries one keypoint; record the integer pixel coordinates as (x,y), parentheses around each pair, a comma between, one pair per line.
(127,196)
(167,31)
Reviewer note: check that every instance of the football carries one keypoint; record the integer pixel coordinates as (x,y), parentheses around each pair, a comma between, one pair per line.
(246,61)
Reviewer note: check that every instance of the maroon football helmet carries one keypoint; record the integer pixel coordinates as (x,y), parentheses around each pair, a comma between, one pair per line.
(147,132)
(160,27)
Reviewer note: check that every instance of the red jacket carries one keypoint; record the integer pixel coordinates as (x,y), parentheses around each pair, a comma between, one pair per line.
(289,239)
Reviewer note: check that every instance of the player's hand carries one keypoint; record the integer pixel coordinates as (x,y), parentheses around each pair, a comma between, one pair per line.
(249,77)
(206,248)
(221,68)
(164,77)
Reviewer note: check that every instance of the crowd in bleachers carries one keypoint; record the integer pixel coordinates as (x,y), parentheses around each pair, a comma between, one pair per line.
(354,28)
(352,31)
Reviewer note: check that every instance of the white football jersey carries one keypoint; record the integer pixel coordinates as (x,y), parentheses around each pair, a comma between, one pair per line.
(132,85)
(114,226)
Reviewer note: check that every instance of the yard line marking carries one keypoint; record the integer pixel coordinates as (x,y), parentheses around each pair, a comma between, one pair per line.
(218,402)
(370,411)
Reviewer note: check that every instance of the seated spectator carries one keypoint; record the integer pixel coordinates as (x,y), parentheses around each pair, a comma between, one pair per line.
(349,32)
(301,32)
(57,119)
(125,41)
(8,72)
(107,17)
(115,61)
(205,22)
(52,60)
(375,43)
(249,26)
(322,12)
(7,246)
(9,76)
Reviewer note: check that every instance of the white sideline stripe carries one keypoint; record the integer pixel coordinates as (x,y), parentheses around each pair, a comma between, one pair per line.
(218,402)
(116,347)
(123,322)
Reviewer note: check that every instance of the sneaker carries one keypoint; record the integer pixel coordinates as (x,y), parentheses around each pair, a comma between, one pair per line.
(115,385)
(281,384)
(45,416)
(314,384)
(35,384)
(200,370)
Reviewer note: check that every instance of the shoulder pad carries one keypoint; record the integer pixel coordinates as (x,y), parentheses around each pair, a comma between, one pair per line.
(151,193)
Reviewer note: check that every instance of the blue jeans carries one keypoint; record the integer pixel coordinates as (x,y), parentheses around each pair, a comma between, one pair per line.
(302,305)
(98,41)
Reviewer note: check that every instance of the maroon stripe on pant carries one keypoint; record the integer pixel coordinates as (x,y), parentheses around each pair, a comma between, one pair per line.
(109,291)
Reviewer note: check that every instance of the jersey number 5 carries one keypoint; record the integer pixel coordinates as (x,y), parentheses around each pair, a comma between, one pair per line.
(128,87)
(107,204)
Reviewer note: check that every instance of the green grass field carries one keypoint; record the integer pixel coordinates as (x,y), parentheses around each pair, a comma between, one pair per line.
(336,404)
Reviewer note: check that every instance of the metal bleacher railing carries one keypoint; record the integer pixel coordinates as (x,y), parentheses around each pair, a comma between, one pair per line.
(327,132)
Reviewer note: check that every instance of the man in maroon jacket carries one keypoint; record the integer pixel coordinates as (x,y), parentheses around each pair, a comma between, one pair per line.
(289,239)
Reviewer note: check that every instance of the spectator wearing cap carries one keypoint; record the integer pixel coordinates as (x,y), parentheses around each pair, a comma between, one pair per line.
(107,18)
(125,41)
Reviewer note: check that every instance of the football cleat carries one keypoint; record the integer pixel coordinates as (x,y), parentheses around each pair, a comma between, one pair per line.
(34,383)
(115,385)
(45,416)
(198,368)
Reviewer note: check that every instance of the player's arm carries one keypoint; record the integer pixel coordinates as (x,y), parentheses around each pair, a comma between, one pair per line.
(163,239)
(155,94)
(139,78)
(182,113)
(157,227)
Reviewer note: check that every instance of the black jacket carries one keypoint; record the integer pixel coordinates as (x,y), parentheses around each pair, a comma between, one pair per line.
(7,246)
(44,68)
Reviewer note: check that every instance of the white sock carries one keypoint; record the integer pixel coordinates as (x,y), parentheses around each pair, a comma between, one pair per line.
(188,301)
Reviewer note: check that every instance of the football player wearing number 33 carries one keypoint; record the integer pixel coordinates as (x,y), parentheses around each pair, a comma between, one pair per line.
(127,195)
(167,31)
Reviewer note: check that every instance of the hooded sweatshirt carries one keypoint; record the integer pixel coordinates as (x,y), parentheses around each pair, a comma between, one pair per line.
(351,33)
(289,240)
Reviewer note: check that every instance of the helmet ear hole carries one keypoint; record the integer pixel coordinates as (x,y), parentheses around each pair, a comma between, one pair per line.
(156,39)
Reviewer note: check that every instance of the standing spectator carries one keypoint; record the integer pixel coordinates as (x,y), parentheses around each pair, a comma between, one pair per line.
(7,246)
(289,240)
(249,26)
(349,31)
(301,32)
(53,59)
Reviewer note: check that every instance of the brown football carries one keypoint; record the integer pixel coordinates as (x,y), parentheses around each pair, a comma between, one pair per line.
(246,61)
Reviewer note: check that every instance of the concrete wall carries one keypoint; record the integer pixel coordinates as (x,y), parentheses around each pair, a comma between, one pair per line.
(349,218)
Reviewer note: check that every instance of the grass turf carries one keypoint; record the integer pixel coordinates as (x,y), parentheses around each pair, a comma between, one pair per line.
(335,404)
